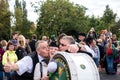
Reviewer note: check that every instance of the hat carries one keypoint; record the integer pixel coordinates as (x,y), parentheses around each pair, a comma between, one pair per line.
(14,42)
(52,37)
(82,34)
(53,44)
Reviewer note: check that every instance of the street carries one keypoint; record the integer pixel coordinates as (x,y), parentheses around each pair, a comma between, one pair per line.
(104,76)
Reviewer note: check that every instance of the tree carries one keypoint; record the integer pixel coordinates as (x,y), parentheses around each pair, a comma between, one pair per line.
(116,29)
(18,16)
(22,23)
(58,16)
(4,20)
(26,24)
(108,18)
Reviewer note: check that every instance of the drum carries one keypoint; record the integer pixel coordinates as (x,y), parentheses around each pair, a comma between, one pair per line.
(74,66)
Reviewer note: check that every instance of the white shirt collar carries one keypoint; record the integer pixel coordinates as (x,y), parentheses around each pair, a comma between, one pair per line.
(40,58)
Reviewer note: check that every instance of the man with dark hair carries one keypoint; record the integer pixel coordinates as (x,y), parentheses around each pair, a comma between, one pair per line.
(32,42)
(14,38)
(81,37)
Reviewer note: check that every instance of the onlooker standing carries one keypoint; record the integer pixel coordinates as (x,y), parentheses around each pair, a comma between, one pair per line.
(1,66)
(92,34)
(109,57)
(81,37)
(20,51)
(44,38)
(28,49)
(9,55)
(14,39)
(96,50)
(4,44)
(102,53)
(32,42)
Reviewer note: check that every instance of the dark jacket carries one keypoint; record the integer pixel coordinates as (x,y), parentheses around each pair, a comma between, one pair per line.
(32,44)
(1,54)
(20,52)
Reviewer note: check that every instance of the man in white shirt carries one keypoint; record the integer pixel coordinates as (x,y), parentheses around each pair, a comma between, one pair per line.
(25,67)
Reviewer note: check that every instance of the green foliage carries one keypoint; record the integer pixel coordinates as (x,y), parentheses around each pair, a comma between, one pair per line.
(57,16)
(22,24)
(108,18)
(107,21)
(116,29)
(18,16)
(4,20)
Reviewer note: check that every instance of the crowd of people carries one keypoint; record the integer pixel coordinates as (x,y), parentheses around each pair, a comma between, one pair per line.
(25,59)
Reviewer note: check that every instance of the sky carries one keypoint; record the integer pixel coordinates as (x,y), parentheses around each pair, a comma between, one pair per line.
(95,7)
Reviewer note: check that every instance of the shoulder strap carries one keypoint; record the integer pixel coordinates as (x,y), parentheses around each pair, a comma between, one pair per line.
(41,70)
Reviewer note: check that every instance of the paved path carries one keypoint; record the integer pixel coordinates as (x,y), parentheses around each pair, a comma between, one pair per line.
(104,76)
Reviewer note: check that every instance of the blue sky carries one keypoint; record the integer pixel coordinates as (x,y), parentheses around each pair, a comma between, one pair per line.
(95,7)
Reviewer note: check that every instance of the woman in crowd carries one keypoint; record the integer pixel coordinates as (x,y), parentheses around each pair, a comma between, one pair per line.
(20,51)
(96,50)
(9,56)
(4,44)
(109,57)
(1,66)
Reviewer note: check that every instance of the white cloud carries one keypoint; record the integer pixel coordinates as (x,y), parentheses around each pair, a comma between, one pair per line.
(97,7)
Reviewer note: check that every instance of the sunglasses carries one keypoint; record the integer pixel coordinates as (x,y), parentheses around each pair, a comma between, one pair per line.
(62,44)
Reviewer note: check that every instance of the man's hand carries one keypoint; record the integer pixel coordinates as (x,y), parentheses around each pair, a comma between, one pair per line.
(45,78)
(73,48)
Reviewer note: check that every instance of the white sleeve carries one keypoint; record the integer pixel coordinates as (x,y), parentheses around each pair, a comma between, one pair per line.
(25,65)
(88,49)
(37,72)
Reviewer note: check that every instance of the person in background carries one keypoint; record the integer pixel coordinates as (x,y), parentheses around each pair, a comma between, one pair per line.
(9,55)
(102,53)
(92,33)
(96,50)
(108,33)
(52,40)
(109,57)
(114,40)
(32,42)
(4,44)
(28,49)
(81,37)
(20,51)
(1,66)
(116,51)
(14,39)
(44,38)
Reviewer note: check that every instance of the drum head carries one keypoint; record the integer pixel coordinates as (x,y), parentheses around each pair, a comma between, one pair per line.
(74,69)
